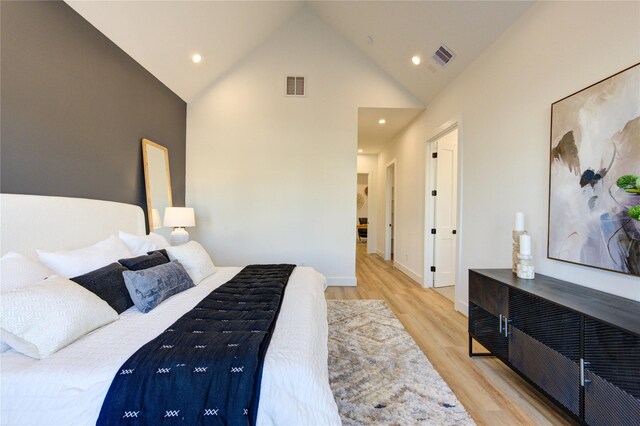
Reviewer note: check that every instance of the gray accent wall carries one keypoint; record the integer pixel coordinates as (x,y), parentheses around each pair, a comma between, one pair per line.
(74,108)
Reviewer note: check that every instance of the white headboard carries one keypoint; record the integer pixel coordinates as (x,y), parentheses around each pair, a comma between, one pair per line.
(28,222)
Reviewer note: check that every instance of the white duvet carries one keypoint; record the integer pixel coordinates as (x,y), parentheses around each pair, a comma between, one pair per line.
(68,388)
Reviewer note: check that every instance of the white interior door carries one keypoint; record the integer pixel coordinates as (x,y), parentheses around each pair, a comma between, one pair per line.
(446,210)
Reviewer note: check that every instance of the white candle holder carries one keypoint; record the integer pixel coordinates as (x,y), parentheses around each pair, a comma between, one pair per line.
(516,249)
(525,268)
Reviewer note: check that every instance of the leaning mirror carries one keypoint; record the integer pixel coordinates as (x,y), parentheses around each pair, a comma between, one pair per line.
(157,181)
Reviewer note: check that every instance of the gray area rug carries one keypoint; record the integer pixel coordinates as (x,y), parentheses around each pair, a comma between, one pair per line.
(378,374)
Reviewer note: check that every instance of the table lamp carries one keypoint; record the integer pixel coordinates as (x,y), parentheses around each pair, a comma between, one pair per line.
(179,218)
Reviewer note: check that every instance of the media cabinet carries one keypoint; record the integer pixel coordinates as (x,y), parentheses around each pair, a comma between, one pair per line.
(580,347)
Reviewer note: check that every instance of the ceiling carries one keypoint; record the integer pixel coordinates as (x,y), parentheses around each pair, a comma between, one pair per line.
(163,35)
(401,29)
(372,136)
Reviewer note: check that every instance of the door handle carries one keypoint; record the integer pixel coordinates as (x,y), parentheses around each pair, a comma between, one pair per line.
(506,326)
(583,380)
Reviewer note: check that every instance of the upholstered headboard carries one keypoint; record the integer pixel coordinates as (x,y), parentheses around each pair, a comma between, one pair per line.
(28,222)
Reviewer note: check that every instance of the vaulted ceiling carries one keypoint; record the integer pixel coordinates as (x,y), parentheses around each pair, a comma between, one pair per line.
(163,35)
(373,135)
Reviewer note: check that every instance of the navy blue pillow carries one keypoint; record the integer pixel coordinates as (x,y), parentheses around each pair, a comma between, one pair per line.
(149,287)
(161,251)
(108,284)
(145,261)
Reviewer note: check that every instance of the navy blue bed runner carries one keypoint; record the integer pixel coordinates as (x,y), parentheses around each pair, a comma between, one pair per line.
(206,368)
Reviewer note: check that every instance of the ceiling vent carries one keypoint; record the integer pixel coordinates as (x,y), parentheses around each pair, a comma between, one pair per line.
(443,55)
(294,86)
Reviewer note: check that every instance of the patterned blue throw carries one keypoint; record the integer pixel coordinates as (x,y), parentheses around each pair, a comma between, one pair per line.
(206,368)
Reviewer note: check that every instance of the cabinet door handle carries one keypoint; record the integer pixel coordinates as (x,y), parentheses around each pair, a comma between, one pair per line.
(500,324)
(506,326)
(583,381)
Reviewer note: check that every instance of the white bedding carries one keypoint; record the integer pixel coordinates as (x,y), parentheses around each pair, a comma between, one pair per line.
(69,386)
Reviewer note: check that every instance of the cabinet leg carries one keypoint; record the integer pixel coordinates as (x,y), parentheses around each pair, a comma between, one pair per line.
(472,354)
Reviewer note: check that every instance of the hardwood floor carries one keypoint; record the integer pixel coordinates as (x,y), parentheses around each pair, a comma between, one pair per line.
(490,391)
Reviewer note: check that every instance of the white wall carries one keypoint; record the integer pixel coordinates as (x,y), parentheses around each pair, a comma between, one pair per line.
(503,102)
(368,163)
(290,162)
(408,149)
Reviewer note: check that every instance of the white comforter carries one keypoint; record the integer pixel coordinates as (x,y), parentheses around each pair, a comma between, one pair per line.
(69,386)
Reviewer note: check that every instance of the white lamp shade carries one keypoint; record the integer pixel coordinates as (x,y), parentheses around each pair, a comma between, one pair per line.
(179,217)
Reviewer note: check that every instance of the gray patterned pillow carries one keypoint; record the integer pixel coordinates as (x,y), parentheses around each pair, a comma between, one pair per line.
(149,287)
(145,261)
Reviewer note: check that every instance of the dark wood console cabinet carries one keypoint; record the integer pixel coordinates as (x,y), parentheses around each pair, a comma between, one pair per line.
(579,346)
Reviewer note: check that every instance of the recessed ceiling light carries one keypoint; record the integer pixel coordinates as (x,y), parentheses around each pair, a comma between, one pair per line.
(196,58)
(416,60)
(382,121)
(361,150)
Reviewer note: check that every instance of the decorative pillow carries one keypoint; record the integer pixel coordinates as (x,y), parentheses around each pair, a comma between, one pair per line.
(195,260)
(43,318)
(145,261)
(71,263)
(141,244)
(17,270)
(108,284)
(162,252)
(149,287)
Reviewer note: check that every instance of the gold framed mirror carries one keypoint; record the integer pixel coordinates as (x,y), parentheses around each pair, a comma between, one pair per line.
(157,181)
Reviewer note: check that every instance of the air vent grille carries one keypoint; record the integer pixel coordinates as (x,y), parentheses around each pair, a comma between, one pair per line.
(443,55)
(294,86)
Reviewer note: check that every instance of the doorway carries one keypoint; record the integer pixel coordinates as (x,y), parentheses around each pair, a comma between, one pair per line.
(442,239)
(362,214)
(390,210)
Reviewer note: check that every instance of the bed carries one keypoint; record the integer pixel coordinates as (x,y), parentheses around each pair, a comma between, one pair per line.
(69,386)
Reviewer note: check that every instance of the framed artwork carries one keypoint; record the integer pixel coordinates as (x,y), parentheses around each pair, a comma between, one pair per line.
(594,177)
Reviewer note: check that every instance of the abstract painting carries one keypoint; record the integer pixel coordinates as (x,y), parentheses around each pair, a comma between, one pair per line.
(594,182)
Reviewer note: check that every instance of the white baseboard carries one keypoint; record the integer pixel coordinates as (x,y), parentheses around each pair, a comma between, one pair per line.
(412,274)
(380,253)
(342,281)
(462,307)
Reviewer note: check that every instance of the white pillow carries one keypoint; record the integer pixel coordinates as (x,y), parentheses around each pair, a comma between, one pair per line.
(142,244)
(195,260)
(71,263)
(43,318)
(17,270)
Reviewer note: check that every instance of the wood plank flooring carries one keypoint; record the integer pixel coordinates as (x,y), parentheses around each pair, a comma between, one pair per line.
(490,391)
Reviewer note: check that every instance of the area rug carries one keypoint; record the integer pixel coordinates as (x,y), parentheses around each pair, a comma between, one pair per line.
(378,374)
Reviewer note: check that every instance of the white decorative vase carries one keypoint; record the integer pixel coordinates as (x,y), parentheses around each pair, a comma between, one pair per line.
(525,268)
(516,249)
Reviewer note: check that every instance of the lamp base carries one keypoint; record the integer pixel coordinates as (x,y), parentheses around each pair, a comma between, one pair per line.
(178,236)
